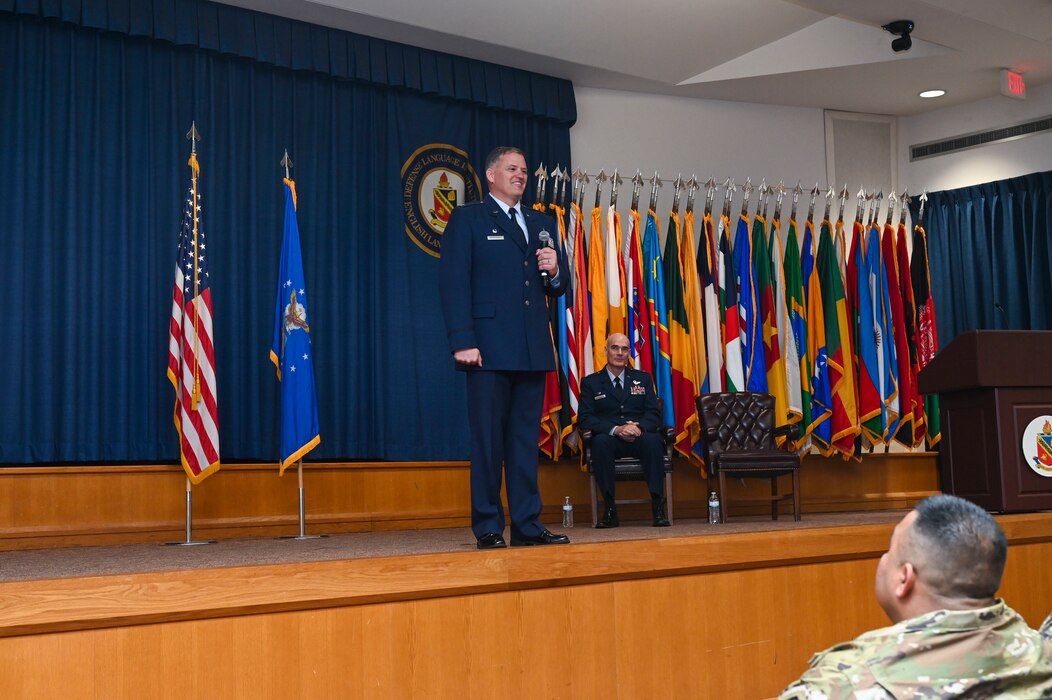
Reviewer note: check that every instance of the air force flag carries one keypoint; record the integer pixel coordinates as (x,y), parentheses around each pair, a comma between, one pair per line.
(291,349)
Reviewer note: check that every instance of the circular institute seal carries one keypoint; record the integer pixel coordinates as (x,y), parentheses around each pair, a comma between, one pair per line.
(435,179)
(1037,445)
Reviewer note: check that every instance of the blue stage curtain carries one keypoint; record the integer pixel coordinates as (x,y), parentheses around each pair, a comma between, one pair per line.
(97,99)
(284,43)
(990,252)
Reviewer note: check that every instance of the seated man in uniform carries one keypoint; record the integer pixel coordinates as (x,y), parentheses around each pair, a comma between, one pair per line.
(951,637)
(619,405)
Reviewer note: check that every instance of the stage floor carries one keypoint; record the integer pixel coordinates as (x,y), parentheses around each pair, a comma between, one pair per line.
(22,565)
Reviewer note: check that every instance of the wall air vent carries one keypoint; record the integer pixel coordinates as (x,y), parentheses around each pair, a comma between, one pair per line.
(980,138)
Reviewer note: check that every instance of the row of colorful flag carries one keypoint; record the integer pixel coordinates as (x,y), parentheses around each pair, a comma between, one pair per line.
(836,332)
(191,352)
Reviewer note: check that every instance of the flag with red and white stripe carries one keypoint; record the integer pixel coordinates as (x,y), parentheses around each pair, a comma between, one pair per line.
(191,354)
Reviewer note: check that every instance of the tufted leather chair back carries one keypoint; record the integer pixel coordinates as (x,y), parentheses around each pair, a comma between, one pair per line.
(739,421)
(740,437)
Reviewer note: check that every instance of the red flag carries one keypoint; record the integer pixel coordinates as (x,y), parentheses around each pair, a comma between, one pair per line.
(191,355)
(909,318)
(549,439)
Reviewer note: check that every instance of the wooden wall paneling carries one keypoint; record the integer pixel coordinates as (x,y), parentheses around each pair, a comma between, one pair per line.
(63,506)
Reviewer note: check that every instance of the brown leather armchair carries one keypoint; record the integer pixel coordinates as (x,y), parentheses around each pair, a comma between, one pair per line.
(739,432)
(629,469)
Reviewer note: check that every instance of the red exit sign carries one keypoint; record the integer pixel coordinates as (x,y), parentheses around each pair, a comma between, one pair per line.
(1012,84)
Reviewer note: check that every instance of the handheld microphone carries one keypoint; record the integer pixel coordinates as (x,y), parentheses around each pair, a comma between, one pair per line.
(545,240)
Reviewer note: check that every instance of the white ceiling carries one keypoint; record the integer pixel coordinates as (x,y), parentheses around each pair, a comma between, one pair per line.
(812,53)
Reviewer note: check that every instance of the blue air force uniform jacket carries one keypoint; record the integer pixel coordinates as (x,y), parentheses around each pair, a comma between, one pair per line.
(492,294)
(600,411)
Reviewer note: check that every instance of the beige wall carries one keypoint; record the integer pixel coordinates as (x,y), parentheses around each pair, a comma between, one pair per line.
(712,138)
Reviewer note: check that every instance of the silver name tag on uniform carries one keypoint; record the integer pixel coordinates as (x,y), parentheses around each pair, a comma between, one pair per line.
(494,238)
(600,396)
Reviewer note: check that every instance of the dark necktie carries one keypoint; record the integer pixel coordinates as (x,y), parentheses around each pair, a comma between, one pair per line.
(617,388)
(513,213)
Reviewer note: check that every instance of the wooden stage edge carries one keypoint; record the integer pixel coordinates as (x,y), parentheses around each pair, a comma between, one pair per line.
(97,602)
(731,615)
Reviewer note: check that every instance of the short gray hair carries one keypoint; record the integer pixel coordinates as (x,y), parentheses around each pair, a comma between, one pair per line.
(499,152)
(962,549)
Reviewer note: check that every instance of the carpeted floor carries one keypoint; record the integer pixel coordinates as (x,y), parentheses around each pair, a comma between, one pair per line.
(120,559)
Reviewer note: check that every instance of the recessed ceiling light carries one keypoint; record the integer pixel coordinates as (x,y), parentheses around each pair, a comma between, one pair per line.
(933,93)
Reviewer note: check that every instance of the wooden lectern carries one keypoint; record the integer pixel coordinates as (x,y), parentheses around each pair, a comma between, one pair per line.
(991,385)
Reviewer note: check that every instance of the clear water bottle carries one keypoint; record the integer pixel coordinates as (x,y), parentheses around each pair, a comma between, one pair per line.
(567,513)
(714,509)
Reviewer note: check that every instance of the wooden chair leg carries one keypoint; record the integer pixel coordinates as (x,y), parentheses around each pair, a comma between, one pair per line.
(668,496)
(723,498)
(774,498)
(796,494)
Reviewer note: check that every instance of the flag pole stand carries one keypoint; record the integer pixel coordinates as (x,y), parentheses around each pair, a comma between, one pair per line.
(303,526)
(189,509)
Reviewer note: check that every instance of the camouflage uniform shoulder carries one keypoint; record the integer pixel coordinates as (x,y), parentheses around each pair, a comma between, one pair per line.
(943,654)
(841,672)
(1046,628)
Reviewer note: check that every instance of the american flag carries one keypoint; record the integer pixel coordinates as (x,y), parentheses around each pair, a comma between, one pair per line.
(191,355)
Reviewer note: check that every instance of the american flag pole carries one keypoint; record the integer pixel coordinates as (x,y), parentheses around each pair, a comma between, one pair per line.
(195,397)
(195,170)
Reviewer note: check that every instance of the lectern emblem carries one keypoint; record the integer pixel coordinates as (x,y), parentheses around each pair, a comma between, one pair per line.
(1037,445)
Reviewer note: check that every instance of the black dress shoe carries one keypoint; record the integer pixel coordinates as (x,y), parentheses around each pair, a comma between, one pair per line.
(544,538)
(609,519)
(492,540)
(660,519)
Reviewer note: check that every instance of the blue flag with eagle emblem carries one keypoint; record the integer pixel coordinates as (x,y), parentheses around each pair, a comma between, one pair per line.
(291,349)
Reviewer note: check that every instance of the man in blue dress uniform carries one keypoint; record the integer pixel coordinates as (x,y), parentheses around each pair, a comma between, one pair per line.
(500,261)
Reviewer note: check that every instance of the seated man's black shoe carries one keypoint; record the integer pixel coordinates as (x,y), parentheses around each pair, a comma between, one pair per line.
(544,538)
(609,519)
(660,519)
(492,540)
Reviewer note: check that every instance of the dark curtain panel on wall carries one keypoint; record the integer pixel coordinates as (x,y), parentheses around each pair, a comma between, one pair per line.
(990,252)
(97,98)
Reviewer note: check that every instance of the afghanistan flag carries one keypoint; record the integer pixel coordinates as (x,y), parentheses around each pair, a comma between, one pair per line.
(927,333)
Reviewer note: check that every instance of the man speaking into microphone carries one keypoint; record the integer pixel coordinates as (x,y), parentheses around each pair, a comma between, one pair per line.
(498,265)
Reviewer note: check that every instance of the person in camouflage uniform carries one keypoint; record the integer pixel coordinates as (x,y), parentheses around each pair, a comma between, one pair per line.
(951,638)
